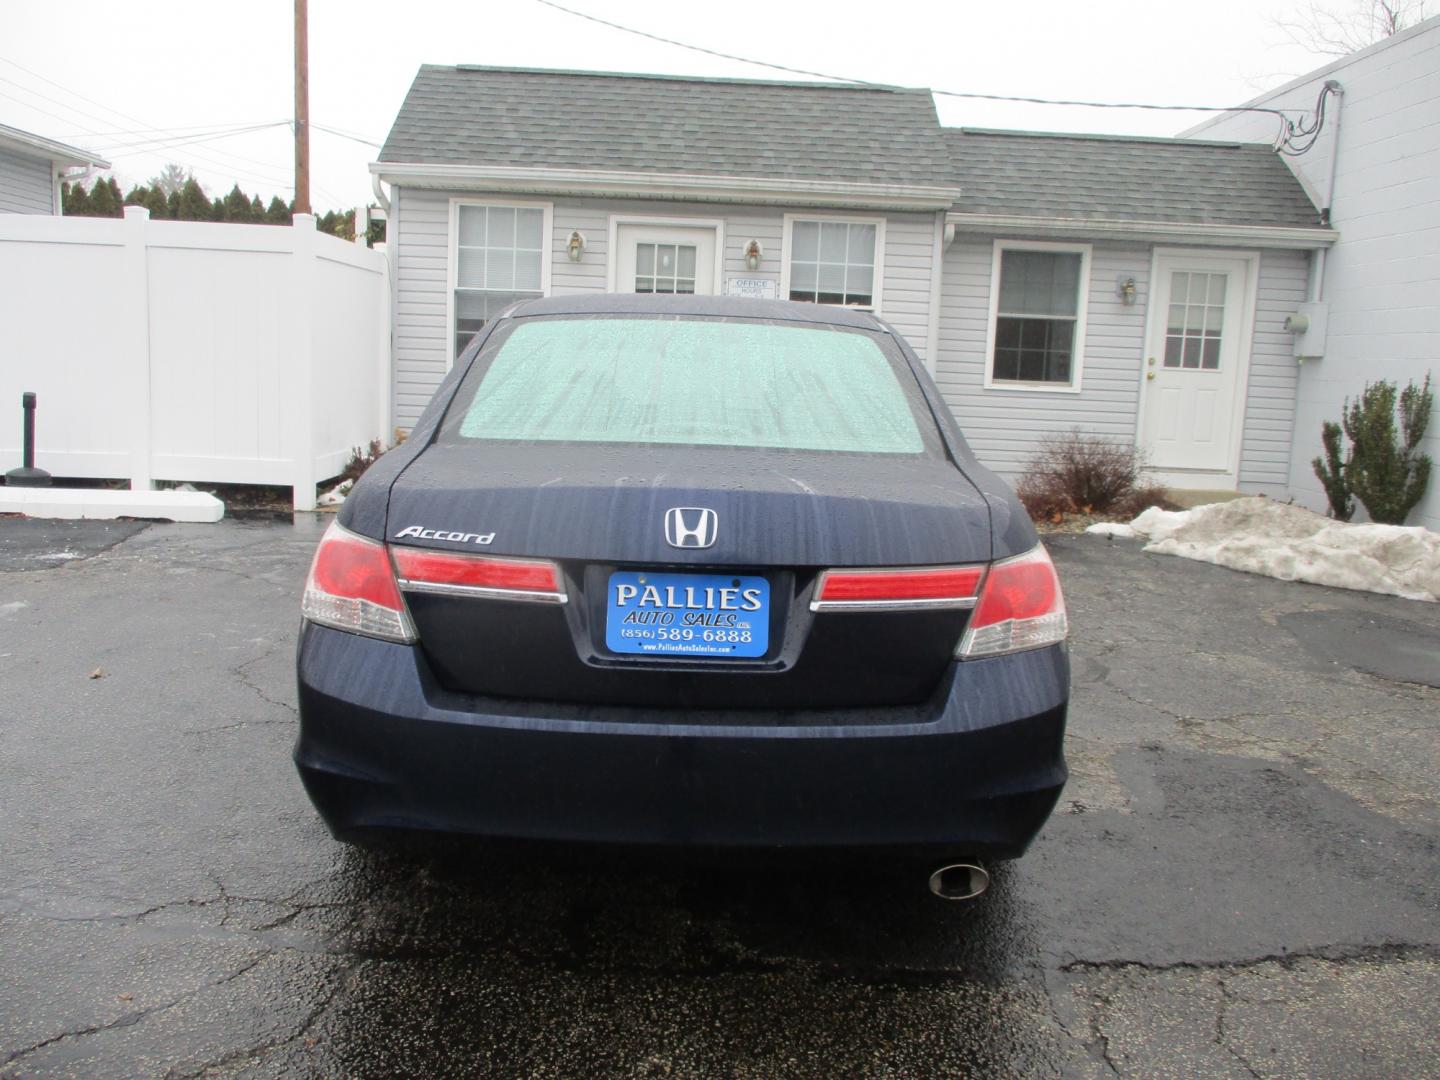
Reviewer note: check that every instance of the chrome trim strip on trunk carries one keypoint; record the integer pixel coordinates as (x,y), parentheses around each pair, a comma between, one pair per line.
(961,603)
(482,592)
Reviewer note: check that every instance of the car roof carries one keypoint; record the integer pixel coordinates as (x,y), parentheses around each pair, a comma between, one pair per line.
(724,306)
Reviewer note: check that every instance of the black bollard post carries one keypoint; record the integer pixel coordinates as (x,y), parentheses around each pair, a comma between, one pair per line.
(27,475)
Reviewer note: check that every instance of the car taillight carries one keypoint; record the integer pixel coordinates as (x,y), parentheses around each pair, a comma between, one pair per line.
(352,587)
(1021,607)
(897,590)
(421,570)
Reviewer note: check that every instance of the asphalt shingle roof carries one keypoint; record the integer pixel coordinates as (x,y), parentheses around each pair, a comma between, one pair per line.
(664,124)
(1115,178)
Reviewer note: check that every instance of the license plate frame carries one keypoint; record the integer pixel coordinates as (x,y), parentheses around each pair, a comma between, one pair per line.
(690,616)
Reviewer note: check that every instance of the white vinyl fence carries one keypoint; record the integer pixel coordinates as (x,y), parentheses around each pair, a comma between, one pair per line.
(169,350)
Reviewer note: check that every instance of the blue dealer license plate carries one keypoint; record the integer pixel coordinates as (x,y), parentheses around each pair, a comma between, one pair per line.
(687,614)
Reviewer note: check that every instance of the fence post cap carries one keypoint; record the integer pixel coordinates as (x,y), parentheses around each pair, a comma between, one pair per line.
(137,212)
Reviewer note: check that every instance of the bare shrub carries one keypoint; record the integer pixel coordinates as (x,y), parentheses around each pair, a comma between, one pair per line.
(360,460)
(1075,473)
(1042,497)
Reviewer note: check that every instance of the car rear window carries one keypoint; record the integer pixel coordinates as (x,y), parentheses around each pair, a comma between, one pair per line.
(695,382)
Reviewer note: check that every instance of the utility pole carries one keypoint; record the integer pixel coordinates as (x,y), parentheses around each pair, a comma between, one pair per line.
(302,109)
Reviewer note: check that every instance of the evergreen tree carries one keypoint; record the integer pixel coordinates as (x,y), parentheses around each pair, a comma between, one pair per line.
(74,200)
(277,213)
(157,203)
(236,207)
(257,211)
(105,199)
(172,205)
(193,205)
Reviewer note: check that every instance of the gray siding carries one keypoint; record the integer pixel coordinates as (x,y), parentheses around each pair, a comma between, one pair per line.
(27,185)
(1005,427)
(420,230)
(1270,400)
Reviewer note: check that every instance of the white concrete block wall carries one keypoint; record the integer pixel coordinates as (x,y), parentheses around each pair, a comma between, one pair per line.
(420,237)
(1382,278)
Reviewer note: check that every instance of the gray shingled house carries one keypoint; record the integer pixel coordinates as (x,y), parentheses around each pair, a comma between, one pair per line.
(1132,287)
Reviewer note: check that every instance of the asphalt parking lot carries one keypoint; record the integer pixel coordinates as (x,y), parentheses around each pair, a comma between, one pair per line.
(1242,878)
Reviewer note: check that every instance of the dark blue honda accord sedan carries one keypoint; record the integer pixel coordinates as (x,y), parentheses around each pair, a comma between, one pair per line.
(686,570)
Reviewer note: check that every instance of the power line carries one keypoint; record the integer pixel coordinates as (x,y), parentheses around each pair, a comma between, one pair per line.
(146,146)
(167,138)
(215,161)
(943,93)
(175,132)
(345,135)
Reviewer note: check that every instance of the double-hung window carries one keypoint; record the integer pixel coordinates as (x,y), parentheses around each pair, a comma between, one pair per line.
(1037,334)
(500,257)
(834,261)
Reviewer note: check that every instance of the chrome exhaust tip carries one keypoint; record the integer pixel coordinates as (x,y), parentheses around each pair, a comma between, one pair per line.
(960,881)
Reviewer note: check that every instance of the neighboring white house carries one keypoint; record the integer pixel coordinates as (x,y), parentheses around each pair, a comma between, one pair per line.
(31,168)
(1376,166)
(1136,288)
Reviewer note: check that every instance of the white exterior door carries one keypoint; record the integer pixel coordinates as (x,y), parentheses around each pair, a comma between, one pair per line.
(1197,359)
(665,259)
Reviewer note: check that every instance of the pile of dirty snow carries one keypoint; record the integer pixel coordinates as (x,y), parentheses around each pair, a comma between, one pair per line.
(1261,536)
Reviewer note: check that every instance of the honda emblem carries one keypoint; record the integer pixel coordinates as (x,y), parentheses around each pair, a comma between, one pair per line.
(690,526)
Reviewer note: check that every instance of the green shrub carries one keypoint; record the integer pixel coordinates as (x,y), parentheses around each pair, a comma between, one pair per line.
(1331,472)
(1385,469)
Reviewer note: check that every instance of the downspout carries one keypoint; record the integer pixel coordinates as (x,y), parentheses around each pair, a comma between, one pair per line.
(392,269)
(1316,291)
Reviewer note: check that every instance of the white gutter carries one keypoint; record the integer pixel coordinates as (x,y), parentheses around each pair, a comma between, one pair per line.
(1272,236)
(62,155)
(744,189)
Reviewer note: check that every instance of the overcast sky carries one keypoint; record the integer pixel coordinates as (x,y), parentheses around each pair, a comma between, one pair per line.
(121,74)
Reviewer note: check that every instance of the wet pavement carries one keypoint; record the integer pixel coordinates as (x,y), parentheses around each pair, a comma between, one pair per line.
(1242,878)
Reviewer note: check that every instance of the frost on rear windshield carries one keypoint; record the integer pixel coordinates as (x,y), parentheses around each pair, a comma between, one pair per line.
(692,382)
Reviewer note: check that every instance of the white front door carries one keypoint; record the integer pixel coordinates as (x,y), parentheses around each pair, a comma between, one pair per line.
(665,259)
(1197,358)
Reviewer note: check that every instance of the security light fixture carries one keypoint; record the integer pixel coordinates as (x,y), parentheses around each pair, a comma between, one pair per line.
(575,246)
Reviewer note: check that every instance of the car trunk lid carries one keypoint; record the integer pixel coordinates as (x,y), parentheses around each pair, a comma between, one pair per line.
(780,518)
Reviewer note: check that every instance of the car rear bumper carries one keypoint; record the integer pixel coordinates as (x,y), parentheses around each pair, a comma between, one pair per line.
(975,771)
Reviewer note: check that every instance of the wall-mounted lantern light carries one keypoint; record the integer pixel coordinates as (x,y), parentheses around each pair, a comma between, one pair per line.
(753,254)
(1125,289)
(575,246)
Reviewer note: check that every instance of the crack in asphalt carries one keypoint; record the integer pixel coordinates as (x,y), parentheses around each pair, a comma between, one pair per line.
(1338,953)
(133,1018)
(239,671)
(1226,997)
(257,1052)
